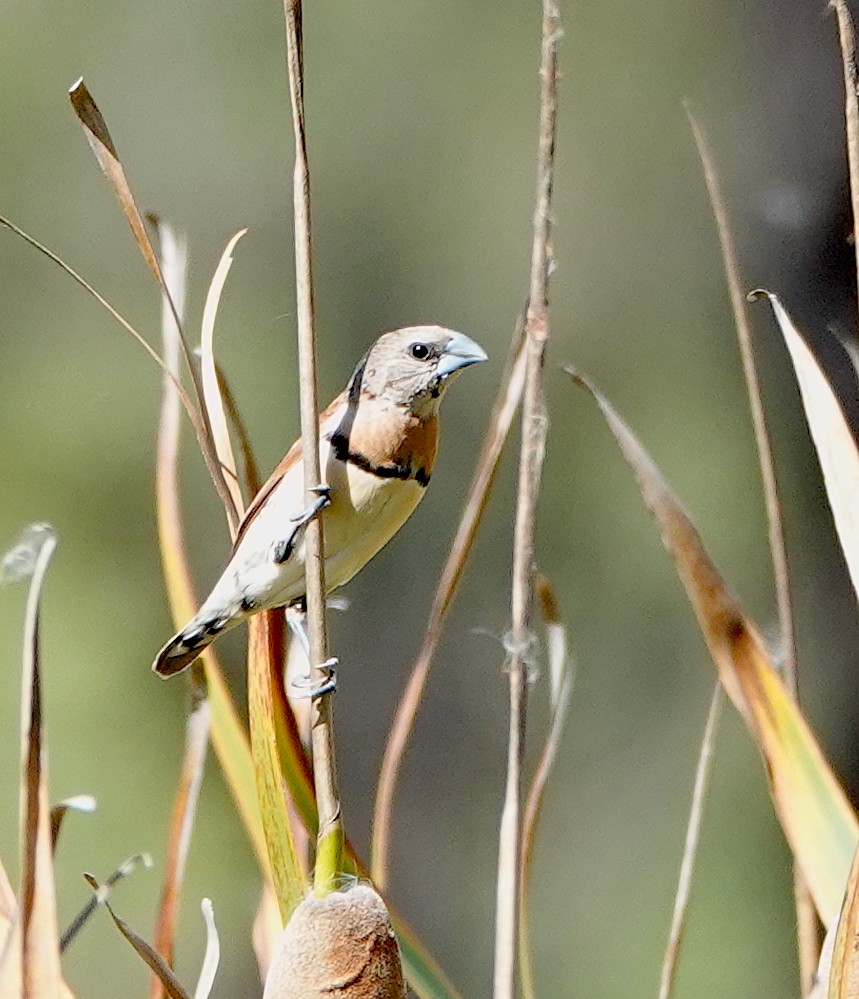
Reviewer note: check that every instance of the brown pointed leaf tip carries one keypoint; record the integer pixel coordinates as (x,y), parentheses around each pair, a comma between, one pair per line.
(338,947)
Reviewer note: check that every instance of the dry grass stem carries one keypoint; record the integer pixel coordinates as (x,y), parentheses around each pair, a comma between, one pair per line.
(330,834)
(806,920)
(174,267)
(101,896)
(560,690)
(534,424)
(690,847)
(181,826)
(501,419)
(762,438)
(30,962)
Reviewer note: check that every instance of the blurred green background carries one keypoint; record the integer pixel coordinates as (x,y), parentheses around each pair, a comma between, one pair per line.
(422,120)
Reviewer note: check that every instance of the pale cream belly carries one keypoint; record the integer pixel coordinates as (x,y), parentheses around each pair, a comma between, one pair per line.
(366,512)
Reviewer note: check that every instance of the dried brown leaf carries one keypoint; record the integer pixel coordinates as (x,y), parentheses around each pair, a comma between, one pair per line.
(832,436)
(265,657)
(35,931)
(174,266)
(815,815)
(97,134)
(171,984)
(211,385)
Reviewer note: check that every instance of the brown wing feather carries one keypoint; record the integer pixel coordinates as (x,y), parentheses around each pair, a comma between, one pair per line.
(292,456)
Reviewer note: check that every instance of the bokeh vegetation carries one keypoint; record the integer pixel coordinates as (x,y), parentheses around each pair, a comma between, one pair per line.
(422,129)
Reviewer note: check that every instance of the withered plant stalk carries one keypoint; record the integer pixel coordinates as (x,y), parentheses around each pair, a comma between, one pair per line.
(329,840)
(530,467)
(690,847)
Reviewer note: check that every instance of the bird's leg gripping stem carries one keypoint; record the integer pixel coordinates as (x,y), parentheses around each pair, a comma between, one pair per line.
(303,687)
(286,546)
(322,492)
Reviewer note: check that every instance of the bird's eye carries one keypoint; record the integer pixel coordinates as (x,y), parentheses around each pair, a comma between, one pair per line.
(419,351)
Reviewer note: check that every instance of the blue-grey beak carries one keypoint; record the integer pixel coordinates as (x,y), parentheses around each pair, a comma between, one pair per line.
(459,352)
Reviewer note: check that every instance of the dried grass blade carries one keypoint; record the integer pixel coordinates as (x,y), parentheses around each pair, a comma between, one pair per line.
(833,439)
(174,266)
(171,984)
(690,848)
(807,930)
(762,438)
(561,677)
(250,469)
(212,956)
(815,815)
(102,895)
(506,403)
(36,928)
(99,138)
(197,726)
(265,654)
(101,143)
(78,803)
(211,385)
(843,979)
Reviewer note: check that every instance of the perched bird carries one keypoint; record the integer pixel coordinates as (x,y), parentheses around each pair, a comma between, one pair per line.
(377,445)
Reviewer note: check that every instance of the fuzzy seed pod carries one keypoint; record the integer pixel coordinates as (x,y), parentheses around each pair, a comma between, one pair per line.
(338,947)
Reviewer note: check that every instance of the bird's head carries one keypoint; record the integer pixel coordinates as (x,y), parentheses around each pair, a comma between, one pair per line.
(413,366)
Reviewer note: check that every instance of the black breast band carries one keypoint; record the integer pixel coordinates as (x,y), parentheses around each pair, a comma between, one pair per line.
(387,470)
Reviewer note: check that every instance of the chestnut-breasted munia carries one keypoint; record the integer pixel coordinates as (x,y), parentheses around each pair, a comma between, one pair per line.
(378,442)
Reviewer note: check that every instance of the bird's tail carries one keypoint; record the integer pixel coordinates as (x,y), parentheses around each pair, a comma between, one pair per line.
(189,644)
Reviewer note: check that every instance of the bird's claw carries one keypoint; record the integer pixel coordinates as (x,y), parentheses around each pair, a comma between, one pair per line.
(327,686)
(322,492)
(284,548)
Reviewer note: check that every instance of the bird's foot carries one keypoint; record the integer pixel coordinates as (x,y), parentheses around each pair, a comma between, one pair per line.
(284,548)
(327,686)
(323,499)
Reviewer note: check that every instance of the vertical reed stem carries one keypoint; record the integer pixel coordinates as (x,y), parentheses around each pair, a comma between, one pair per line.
(530,467)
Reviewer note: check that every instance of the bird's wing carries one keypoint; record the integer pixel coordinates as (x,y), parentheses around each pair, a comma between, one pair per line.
(289,460)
